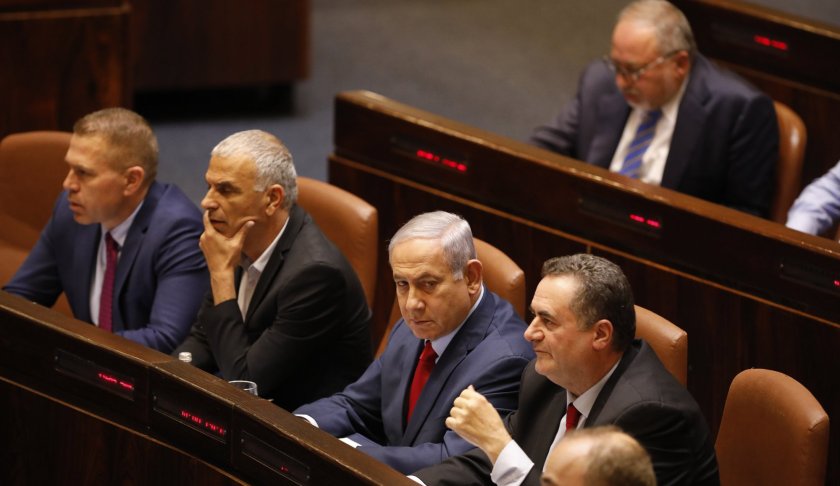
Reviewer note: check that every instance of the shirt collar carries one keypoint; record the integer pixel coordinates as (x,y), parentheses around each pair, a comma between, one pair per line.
(120,231)
(586,400)
(261,261)
(440,344)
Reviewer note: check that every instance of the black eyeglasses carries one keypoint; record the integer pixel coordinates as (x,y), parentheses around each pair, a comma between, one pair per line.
(633,75)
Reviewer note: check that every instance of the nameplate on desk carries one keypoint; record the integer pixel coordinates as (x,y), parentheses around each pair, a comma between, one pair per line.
(621,215)
(818,278)
(425,153)
(276,461)
(745,37)
(190,415)
(94,374)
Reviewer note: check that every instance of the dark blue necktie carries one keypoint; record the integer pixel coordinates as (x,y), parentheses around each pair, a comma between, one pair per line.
(639,145)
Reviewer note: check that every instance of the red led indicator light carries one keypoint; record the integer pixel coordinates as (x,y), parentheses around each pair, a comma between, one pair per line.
(433,157)
(837,283)
(113,380)
(638,218)
(216,429)
(768,42)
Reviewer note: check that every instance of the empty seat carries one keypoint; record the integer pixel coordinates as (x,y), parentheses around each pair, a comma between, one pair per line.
(349,222)
(773,432)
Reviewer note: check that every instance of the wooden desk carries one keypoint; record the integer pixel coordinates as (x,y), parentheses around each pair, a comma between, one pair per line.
(749,292)
(89,407)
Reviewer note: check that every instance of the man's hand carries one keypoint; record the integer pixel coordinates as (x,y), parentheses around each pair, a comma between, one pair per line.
(476,421)
(223,255)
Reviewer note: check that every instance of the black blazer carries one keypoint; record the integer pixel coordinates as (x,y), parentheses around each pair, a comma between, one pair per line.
(640,397)
(725,143)
(306,334)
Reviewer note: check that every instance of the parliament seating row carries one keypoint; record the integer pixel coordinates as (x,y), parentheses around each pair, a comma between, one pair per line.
(85,404)
(505,277)
(75,394)
(750,292)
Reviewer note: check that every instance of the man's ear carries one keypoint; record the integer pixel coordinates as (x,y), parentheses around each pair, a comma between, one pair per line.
(683,62)
(473,274)
(134,177)
(602,336)
(274,198)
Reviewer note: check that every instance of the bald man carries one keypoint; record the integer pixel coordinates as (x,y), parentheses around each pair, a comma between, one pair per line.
(600,456)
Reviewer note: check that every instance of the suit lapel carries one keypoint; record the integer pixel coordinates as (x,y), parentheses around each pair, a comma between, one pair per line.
(296,220)
(132,244)
(605,393)
(612,116)
(691,120)
(468,337)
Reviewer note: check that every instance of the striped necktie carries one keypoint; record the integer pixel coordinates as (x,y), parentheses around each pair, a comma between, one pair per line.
(639,145)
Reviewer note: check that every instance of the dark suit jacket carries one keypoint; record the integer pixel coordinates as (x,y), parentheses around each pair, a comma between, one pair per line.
(161,275)
(725,144)
(306,332)
(489,352)
(640,397)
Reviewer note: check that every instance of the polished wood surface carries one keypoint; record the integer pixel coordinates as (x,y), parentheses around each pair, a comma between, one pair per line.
(739,285)
(59,62)
(84,404)
(799,71)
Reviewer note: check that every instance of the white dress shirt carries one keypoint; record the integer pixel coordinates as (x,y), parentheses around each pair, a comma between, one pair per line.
(653,161)
(513,464)
(119,233)
(251,273)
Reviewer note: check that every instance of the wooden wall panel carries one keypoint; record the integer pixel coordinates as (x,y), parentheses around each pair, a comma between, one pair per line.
(59,64)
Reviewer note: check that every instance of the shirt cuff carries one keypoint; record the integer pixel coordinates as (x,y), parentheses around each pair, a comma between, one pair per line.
(352,443)
(802,222)
(511,466)
(416,480)
(307,418)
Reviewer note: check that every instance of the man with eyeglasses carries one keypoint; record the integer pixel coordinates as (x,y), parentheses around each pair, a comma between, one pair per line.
(657,110)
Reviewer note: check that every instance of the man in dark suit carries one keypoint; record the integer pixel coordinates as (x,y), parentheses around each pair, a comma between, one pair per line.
(286,310)
(475,337)
(114,216)
(657,110)
(589,371)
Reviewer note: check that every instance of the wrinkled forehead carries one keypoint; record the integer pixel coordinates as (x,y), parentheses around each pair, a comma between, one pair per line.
(634,41)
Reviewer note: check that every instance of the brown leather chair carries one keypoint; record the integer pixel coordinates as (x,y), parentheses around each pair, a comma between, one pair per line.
(349,222)
(792,139)
(32,169)
(500,274)
(669,342)
(773,431)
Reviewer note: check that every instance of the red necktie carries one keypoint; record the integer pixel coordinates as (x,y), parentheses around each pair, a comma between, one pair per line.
(421,376)
(572,416)
(112,249)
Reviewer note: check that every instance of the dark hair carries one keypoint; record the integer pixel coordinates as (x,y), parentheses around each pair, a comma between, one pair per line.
(603,293)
